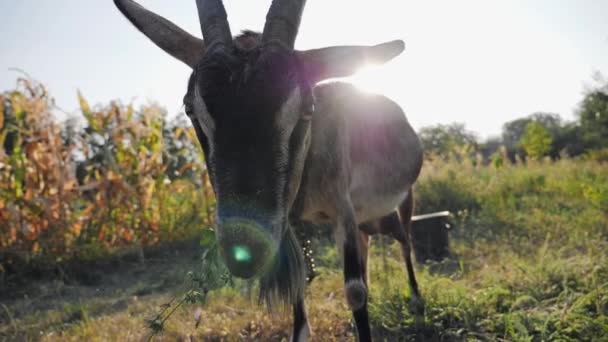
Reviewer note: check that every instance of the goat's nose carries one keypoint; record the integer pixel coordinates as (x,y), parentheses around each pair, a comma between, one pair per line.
(245,245)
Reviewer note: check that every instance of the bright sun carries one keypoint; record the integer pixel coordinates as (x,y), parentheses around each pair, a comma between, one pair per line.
(378,79)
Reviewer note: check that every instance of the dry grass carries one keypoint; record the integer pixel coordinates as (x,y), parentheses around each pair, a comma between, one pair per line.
(118,307)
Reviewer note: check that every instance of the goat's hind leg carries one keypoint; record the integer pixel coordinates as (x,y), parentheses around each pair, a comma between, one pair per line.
(399,227)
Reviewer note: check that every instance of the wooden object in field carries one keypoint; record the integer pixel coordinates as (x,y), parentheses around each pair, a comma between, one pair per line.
(430,236)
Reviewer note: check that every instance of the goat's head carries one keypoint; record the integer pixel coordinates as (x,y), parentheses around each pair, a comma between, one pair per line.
(251,102)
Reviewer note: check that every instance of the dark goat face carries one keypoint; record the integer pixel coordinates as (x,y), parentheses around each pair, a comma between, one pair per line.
(252,113)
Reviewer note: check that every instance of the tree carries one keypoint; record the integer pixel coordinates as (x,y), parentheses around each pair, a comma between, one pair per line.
(565,136)
(490,146)
(593,119)
(568,140)
(446,139)
(512,132)
(536,140)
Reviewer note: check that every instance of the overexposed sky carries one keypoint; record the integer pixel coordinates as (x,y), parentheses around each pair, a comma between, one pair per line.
(473,61)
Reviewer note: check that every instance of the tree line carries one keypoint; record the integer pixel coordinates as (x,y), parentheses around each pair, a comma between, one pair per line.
(534,136)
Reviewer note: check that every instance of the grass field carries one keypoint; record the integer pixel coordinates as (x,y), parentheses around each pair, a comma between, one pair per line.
(531,247)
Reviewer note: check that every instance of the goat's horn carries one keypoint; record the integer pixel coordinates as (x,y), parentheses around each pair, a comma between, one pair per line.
(214,22)
(283,21)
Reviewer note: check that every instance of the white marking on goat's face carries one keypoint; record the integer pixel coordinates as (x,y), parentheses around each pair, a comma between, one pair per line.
(204,119)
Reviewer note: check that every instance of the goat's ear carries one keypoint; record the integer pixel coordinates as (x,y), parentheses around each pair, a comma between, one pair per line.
(342,61)
(166,35)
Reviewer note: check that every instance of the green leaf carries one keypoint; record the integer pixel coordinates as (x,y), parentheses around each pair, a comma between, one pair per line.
(208,238)
(86,111)
(3,135)
(129,112)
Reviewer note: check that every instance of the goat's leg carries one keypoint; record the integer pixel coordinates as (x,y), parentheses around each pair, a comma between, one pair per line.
(364,244)
(301,329)
(402,233)
(349,240)
(392,225)
(363,321)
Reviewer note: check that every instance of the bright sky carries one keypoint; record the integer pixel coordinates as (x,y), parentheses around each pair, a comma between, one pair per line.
(473,61)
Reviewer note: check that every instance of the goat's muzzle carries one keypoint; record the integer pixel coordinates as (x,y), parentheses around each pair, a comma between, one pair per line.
(246,246)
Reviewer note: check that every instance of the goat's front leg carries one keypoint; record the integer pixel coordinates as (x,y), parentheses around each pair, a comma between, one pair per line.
(301,329)
(347,240)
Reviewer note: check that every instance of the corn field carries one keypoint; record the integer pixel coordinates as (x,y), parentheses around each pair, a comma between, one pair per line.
(110,177)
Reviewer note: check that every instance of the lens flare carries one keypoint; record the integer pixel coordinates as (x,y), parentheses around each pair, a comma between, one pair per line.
(246,246)
(241,253)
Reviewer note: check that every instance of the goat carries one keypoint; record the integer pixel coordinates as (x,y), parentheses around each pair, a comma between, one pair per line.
(282,149)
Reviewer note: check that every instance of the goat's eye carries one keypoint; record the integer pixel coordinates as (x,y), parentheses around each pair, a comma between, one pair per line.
(188,109)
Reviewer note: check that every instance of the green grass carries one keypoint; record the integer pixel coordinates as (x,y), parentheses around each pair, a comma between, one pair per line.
(531,246)
(544,297)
